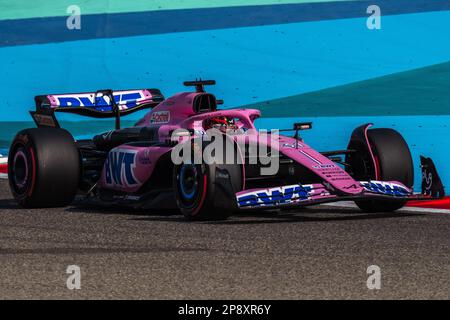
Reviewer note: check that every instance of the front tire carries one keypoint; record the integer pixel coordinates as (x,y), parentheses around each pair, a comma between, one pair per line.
(207,191)
(44,168)
(393,162)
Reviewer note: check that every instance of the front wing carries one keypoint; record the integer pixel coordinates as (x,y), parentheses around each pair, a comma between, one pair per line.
(309,194)
(303,195)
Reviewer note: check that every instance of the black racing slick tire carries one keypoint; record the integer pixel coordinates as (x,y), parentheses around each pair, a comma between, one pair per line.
(44,168)
(393,162)
(207,191)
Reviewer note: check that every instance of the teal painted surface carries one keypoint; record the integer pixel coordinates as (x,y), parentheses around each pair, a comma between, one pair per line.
(23,9)
(415,92)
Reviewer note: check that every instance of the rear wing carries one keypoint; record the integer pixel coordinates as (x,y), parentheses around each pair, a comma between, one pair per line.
(100,104)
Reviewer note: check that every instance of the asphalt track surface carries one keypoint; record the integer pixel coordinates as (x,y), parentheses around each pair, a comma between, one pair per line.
(320,252)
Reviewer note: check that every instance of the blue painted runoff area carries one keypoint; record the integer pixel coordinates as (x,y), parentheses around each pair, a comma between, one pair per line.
(250,64)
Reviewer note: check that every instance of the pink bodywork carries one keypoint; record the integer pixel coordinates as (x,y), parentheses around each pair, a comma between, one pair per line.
(336,177)
(177,112)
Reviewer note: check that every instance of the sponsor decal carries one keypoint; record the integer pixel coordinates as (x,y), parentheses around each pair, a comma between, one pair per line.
(168,103)
(119,168)
(427,181)
(222,174)
(386,188)
(132,198)
(291,170)
(44,120)
(275,196)
(324,166)
(292,145)
(128,99)
(159,117)
(22,137)
(144,158)
(328,186)
(332,172)
(353,186)
(107,135)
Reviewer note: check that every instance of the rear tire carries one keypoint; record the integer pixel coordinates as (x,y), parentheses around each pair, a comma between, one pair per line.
(44,168)
(393,162)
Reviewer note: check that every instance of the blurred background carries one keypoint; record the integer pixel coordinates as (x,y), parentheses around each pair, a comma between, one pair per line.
(295,60)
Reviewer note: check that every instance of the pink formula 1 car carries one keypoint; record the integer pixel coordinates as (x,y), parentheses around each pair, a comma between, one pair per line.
(135,166)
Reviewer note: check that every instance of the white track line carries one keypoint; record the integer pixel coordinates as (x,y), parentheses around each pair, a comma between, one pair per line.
(350,204)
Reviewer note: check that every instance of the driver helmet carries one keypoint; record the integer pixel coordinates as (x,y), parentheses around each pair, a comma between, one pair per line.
(221,123)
